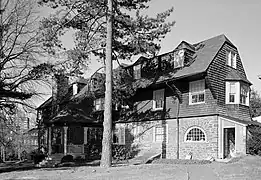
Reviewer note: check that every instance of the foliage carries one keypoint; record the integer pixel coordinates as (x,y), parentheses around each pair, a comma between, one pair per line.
(133,32)
(254,141)
(255,103)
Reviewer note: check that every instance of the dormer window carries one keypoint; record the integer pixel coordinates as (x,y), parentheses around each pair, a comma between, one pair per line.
(75,88)
(179,58)
(137,71)
(99,104)
(232,59)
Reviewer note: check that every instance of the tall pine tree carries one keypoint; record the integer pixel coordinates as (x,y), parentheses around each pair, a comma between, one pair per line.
(128,32)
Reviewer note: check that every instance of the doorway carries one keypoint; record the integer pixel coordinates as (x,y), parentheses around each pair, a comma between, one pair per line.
(229,141)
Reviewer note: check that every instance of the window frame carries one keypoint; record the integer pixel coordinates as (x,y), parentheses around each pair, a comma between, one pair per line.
(155,133)
(137,71)
(246,96)
(118,129)
(197,93)
(193,141)
(162,98)
(101,101)
(232,59)
(238,88)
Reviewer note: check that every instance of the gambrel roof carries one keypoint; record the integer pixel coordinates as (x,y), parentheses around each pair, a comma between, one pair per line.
(205,53)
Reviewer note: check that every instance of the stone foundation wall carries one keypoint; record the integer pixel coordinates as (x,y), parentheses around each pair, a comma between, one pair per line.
(199,150)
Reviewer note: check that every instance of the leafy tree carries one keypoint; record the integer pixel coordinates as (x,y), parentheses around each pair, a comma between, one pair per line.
(20,56)
(132,33)
(255,103)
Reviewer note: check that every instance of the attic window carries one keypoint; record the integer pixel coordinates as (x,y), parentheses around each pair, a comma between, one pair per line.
(179,58)
(75,88)
(232,59)
(99,104)
(137,71)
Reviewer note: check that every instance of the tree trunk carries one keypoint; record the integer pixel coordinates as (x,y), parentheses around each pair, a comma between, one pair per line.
(107,123)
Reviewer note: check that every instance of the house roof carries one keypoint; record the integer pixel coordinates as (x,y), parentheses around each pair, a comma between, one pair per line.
(234,75)
(46,103)
(69,116)
(205,52)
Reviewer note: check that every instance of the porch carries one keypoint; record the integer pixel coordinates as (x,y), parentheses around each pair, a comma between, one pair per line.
(73,139)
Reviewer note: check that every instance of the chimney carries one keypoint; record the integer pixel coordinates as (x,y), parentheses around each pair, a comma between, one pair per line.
(60,87)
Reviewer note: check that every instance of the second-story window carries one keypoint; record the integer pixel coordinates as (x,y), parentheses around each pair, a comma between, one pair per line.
(99,104)
(244,90)
(197,92)
(232,59)
(158,99)
(237,93)
(137,71)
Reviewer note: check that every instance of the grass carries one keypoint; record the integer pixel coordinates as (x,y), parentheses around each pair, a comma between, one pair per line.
(180,161)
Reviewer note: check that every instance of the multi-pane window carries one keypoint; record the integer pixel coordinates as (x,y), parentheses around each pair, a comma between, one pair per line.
(195,134)
(237,93)
(159,134)
(243,94)
(232,59)
(119,135)
(158,99)
(99,104)
(232,92)
(197,92)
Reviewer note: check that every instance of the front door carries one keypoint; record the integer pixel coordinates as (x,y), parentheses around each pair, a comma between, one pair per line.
(229,141)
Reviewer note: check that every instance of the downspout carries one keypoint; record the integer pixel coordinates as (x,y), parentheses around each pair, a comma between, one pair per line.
(177,118)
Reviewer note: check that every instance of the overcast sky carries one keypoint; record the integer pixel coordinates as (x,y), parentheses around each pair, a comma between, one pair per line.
(197,20)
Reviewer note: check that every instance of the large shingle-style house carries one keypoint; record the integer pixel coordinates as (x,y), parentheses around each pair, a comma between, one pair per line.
(197,97)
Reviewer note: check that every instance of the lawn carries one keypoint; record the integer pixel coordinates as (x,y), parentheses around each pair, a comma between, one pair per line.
(248,167)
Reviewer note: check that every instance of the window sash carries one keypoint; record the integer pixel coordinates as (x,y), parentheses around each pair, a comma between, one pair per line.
(158,99)
(119,135)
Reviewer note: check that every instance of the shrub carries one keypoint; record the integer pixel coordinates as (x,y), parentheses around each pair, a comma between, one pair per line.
(37,156)
(253,143)
(67,158)
(120,152)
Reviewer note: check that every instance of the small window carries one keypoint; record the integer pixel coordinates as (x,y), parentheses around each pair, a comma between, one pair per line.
(137,71)
(99,104)
(158,99)
(158,134)
(197,92)
(119,135)
(232,59)
(195,134)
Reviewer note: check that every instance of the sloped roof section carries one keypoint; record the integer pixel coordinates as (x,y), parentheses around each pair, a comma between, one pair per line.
(205,52)
(234,75)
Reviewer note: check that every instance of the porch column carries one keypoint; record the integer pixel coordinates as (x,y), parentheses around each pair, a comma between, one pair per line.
(49,140)
(65,128)
(85,135)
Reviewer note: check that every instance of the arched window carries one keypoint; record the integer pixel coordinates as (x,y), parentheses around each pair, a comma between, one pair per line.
(195,134)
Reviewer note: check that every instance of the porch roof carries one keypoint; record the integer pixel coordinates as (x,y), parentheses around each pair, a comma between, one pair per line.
(74,116)
(242,121)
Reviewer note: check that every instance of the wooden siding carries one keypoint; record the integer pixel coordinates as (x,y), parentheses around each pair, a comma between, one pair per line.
(217,73)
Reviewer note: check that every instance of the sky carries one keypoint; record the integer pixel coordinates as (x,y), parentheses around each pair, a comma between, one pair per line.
(198,20)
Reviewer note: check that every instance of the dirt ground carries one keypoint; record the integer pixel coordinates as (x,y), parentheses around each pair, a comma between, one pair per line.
(246,168)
